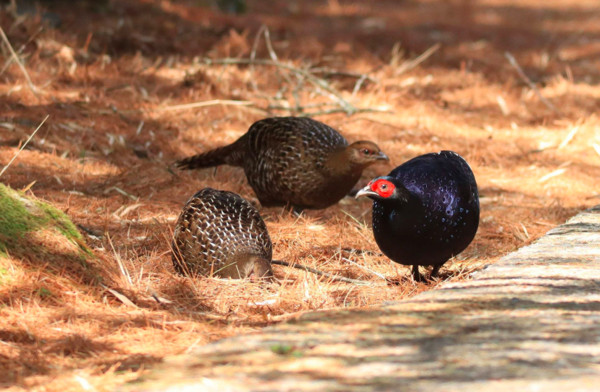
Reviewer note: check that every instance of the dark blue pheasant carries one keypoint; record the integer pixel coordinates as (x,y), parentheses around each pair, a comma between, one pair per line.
(425,211)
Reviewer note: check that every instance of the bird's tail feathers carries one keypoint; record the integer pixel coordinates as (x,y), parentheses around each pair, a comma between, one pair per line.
(226,155)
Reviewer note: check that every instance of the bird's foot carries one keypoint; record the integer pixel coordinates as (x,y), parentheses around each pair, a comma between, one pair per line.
(417,277)
(293,210)
(434,272)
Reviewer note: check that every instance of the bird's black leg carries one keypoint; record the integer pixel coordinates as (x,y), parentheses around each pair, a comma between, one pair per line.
(297,211)
(291,209)
(434,271)
(415,273)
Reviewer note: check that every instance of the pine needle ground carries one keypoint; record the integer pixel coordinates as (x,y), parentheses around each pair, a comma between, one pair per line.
(110,76)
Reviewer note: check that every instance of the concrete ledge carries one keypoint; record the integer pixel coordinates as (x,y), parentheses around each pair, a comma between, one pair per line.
(530,322)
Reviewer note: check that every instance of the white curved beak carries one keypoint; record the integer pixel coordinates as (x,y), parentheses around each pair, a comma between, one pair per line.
(366,191)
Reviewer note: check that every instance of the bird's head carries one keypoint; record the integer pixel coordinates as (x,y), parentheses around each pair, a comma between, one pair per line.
(257,267)
(246,265)
(384,188)
(364,153)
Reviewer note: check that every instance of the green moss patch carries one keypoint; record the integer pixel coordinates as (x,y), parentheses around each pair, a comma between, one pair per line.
(4,276)
(30,228)
(15,219)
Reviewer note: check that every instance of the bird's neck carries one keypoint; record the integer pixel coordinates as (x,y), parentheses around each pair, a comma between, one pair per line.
(339,163)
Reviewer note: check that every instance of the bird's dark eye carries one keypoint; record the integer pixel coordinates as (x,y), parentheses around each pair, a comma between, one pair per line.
(384,186)
(366,151)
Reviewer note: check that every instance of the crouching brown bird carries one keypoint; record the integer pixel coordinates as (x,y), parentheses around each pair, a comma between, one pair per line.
(294,161)
(221,234)
(425,211)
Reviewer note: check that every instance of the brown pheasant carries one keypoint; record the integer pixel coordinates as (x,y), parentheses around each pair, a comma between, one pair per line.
(220,234)
(294,161)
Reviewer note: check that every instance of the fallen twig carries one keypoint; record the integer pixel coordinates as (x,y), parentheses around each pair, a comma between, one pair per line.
(201,104)
(341,110)
(92,233)
(121,191)
(328,72)
(253,56)
(358,85)
(408,65)
(120,297)
(596,148)
(32,86)
(264,31)
(364,268)
(9,61)
(555,173)
(318,82)
(569,137)
(300,110)
(269,45)
(24,144)
(513,62)
(322,273)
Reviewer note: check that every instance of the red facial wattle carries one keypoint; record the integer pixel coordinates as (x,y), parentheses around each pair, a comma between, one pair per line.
(383,188)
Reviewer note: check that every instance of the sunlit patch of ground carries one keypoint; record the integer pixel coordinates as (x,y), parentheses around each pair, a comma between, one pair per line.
(110,78)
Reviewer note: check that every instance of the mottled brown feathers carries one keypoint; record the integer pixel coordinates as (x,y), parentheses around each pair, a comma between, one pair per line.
(220,234)
(294,161)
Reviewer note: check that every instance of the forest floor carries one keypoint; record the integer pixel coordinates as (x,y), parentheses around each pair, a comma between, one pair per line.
(130,86)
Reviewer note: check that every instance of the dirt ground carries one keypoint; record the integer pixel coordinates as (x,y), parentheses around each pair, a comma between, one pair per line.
(510,85)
